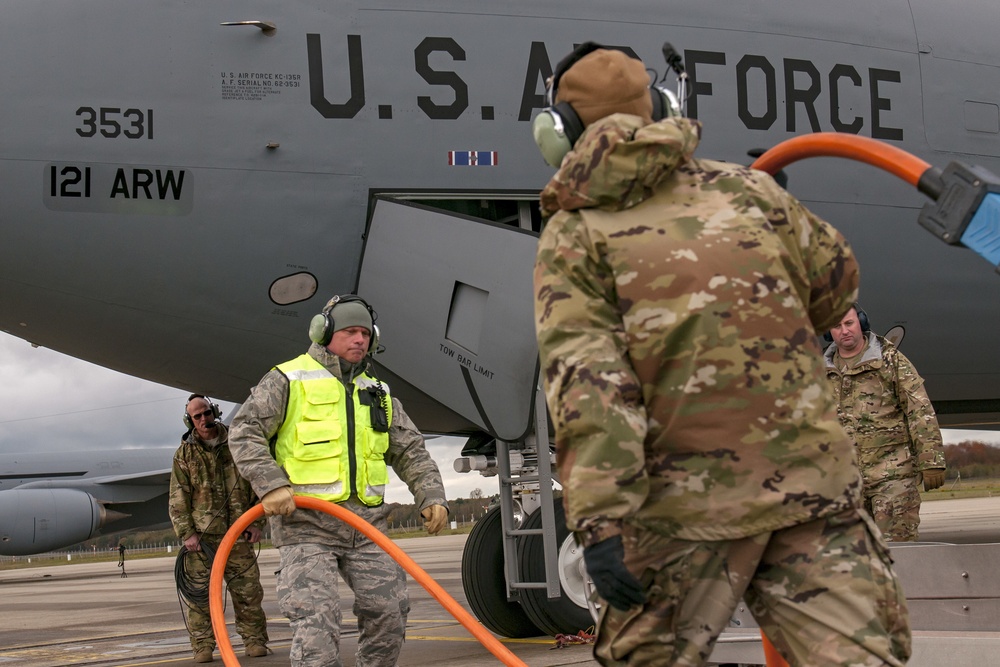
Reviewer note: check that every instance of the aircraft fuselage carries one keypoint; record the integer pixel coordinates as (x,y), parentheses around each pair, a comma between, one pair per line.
(181,196)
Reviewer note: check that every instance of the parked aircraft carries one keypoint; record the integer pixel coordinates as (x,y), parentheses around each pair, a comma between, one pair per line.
(50,500)
(183,185)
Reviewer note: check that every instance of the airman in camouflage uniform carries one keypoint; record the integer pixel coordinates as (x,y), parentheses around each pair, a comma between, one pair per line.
(207,496)
(677,302)
(884,408)
(315,546)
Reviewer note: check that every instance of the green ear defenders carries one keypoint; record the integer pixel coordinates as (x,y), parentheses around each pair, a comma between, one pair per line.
(322,326)
(558,127)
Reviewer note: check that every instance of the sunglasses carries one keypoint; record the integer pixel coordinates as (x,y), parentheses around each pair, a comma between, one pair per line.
(202,415)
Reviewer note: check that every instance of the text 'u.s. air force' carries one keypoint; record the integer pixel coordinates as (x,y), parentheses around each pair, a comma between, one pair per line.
(789,92)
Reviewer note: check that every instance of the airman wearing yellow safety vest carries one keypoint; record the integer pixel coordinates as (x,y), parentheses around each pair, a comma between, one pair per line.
(323,425)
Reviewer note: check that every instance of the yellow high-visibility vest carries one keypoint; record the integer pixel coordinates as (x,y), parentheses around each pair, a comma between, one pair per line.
(327,445)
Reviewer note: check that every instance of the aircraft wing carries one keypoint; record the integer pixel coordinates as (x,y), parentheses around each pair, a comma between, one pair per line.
(130,488)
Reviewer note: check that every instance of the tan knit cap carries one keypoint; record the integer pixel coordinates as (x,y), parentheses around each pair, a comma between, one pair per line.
(604,82)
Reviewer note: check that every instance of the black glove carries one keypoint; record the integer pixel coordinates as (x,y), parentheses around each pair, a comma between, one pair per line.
(606,566)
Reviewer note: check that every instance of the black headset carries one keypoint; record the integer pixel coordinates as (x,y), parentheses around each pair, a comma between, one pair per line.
(558,127)
(862,320)
(322,326)
(214,407)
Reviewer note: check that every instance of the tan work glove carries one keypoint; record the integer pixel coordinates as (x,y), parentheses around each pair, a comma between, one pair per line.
(435,517)
(933,478)
(279,501)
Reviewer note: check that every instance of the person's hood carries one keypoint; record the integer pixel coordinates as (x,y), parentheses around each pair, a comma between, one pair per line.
(619,162)
(340,368)
(872,353)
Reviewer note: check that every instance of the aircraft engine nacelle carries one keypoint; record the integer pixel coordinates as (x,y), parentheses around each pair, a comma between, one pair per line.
(34,521)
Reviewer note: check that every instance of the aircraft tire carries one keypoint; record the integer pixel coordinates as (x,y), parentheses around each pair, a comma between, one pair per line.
(560,615)
(485,584)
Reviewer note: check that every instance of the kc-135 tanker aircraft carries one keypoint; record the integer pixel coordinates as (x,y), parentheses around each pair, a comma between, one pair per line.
(184,184)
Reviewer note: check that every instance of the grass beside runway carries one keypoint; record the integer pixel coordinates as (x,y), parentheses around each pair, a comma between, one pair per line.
(985,487)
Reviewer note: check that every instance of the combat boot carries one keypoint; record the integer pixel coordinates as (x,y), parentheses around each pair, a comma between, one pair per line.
(203,655)
(256,651)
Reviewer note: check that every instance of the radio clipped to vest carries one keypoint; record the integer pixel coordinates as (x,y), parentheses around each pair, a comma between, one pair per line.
(379,414)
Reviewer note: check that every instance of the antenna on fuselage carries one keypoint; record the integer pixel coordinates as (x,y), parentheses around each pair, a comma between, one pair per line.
(675,63)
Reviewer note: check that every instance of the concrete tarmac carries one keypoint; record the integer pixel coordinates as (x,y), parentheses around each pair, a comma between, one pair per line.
(961,521)
(88,614)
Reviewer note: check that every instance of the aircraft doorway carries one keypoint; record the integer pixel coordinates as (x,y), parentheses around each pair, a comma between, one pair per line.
(456,308)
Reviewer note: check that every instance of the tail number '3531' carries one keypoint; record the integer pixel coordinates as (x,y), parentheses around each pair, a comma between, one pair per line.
(112,122)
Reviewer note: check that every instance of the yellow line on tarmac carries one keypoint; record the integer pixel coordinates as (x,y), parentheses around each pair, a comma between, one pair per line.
(505,640)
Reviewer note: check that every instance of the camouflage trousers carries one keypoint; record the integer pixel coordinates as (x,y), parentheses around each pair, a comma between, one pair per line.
(243,581)
(823,592)
(895,506)
(309,597)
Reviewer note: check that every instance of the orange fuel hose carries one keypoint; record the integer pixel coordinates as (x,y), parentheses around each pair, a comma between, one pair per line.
(834,144)
(215,593)
(771,656)
(895,160)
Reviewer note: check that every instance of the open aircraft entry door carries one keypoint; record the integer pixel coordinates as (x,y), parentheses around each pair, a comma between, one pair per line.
(454,301)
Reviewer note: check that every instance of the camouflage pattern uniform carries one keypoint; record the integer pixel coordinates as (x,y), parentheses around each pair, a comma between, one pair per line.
(883,406)
(677,305)
(315,546)
(207,496)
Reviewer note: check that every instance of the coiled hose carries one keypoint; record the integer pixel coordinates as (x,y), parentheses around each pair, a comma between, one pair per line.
(193,590)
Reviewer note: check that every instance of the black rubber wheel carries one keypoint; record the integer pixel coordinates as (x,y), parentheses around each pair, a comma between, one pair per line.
(484,582)
(559,615)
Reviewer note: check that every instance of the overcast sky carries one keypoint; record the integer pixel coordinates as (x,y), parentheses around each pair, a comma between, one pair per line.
(52,402)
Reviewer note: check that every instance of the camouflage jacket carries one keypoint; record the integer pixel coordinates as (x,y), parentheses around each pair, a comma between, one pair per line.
(677,302)
(883,406)
(207,495)
(259,419)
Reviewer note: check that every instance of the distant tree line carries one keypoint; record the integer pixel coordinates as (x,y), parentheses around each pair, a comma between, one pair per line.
(972,459)
(462,510)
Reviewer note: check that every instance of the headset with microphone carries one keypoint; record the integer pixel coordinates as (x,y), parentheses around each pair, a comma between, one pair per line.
(214,407)
(558,127)
(322,326)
